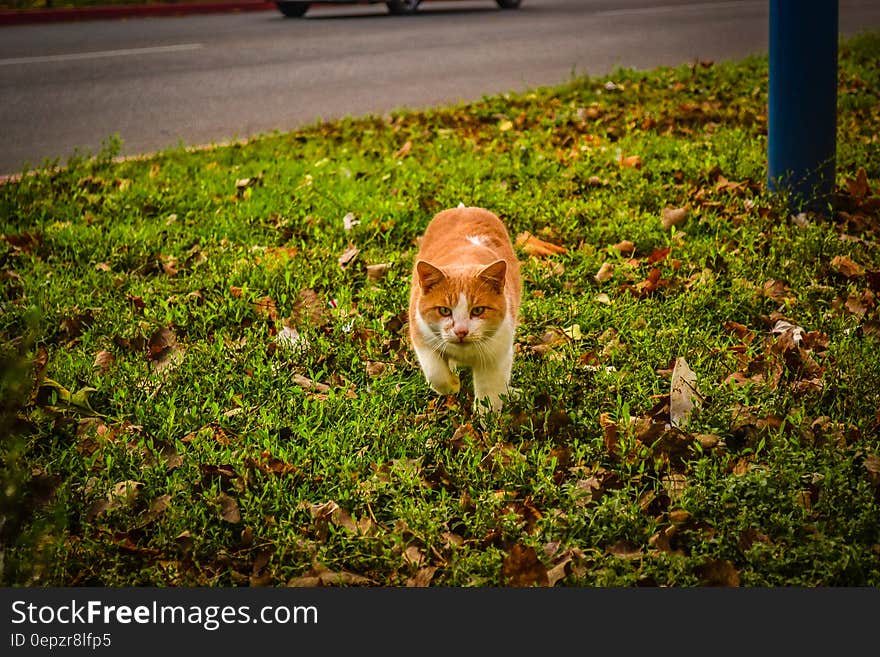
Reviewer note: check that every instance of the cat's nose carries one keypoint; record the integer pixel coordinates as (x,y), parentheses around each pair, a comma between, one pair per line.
(461,333)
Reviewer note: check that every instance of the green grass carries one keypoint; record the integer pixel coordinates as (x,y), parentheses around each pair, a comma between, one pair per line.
(160,427)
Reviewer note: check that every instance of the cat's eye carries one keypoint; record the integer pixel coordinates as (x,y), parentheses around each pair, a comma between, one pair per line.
(476,311)
(444,311)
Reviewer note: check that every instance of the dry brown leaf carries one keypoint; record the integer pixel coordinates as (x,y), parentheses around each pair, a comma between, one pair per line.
(605,273)
(658,255)
(103,361)
(859,304)
(674,485)
(414,556)
(348,257)
(626,247)
(265,308)
(306,581)
(538,247)
(422,577)
(343,519)
(157,508)
(328,577)
(521,567)
(858,187)
(872,465)
(776,290)
(559,571)
(625,550)
(229,508)
(739,330)
(612,445)
(321,511)
(670,217)
(679,516)
(406,148)
(161,342)
(718,572)
(683,395)
(125,492)
(377,272)
(308,309)
(631,161)
(847,267)
(307,384)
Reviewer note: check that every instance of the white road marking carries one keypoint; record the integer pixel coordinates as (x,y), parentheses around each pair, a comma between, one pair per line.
(99,54)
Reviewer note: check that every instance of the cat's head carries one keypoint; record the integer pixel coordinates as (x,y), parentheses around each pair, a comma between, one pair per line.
(462,304)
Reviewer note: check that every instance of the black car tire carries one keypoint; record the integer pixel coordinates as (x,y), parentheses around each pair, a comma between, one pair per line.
(403,6)
(292,9)
(508,4)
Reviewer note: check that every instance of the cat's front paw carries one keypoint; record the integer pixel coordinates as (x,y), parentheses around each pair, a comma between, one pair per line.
(449,385)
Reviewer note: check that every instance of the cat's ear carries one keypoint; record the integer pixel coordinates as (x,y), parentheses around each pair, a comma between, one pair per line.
(429,275)
(494,274)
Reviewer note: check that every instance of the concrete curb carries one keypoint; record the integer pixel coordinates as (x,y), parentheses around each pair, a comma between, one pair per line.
(65,14)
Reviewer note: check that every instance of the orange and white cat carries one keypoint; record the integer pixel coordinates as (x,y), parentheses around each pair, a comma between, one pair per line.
(464,304)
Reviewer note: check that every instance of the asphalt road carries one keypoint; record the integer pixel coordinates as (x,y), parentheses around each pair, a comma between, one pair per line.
(165,82)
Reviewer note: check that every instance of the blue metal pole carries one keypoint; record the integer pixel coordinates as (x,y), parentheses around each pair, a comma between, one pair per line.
(802,101)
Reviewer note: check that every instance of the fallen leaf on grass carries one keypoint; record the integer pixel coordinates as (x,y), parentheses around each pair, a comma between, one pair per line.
(858,187)
(534,246)
(157,508)
(674,485)
(630,161)
(103,361)
(266,308)
(272,465)
(348,257)
(847,267)
(163,352)
(612,445)
(414,556)
(320,575)
(776,290)
(229,508)
(307,384)
(683,395)
(626,247)
(658,255)
(872,465)
(650,285)
(330,513)
(859,304)
(422,577)
(308,310)
(377,272)
(625,550)
(718,572)
(670,217)
(605,273)
(125,492)
(741,331)
(521,567)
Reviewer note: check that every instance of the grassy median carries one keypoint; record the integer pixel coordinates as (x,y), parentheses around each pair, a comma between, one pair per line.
(207,380)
